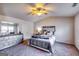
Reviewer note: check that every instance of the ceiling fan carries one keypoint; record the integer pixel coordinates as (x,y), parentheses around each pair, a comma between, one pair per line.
(39,8)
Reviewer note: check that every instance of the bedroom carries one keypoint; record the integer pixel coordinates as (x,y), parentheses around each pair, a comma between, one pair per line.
(64,16)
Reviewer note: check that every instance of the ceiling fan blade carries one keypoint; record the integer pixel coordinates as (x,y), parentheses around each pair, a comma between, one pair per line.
(74,4)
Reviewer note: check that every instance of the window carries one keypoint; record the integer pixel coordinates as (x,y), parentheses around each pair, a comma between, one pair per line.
(8,27)
(4,29)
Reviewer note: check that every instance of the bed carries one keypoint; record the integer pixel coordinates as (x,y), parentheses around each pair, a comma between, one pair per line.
(44,42)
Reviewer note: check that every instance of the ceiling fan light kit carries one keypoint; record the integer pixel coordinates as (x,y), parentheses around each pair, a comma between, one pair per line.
(39,9)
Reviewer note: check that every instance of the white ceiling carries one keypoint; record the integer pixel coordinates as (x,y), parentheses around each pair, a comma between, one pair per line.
(17,10)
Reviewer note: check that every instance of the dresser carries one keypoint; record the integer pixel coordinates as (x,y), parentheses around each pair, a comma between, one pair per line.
(10,40)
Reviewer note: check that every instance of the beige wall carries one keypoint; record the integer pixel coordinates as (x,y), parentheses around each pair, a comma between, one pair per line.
(77,31)
(64,28)
(26,27)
